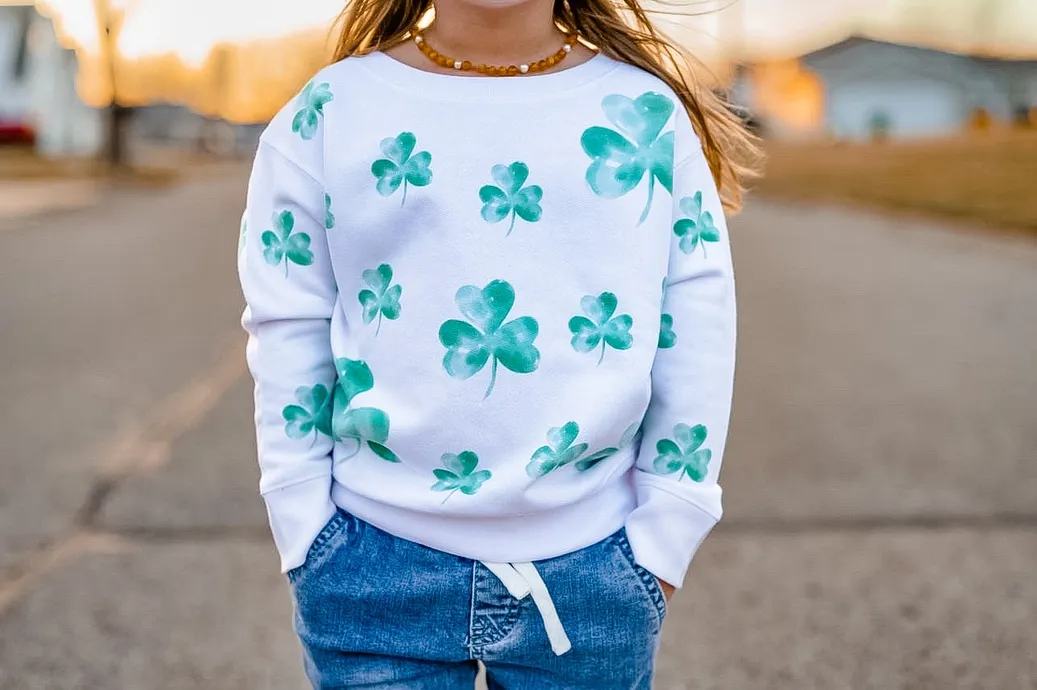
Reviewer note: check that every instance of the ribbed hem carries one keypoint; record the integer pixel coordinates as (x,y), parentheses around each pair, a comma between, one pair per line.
(438,86)
(297,514)
(514,538)
(666,530)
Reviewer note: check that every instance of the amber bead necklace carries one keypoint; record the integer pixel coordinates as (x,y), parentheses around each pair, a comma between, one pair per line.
(494,70)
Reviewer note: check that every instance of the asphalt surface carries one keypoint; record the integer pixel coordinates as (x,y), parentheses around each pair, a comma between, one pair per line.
(880,482)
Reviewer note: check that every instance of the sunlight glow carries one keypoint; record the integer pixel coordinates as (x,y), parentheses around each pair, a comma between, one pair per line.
(241,59)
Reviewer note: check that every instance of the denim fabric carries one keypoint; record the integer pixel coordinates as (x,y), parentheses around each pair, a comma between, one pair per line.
(376,611)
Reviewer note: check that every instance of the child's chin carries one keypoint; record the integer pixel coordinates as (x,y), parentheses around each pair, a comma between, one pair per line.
(497,4)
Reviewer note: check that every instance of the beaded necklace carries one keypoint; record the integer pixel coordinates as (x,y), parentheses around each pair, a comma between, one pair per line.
(495,70)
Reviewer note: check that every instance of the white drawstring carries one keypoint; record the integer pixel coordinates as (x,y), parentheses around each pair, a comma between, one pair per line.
(522,579)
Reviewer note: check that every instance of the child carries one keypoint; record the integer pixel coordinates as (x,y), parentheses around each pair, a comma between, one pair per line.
(492,327)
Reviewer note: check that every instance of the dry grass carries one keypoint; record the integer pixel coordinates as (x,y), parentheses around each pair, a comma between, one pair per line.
(18,163)
(986,178)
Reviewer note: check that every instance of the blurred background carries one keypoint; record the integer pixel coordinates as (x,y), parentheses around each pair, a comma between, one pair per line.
(881,479)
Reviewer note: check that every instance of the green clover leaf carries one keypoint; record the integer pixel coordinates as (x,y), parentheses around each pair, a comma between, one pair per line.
(380,300)
(311,416)
(697,228)
(281,245)
(329,217)
(685,454)
(625,441)
(601,328)
(459,474)
(311,109)
(470,346)
(361,425)
(621,159)
(510,198)
(559,452)
(667,336)
(399,167)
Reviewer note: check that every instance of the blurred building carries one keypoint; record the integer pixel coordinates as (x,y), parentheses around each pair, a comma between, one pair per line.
(860,89)
(38,86)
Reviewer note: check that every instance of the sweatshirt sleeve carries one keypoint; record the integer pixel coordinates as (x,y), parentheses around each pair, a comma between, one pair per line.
(685,428)
(290,292)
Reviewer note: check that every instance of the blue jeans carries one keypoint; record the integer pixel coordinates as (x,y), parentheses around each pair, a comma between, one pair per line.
(376,611)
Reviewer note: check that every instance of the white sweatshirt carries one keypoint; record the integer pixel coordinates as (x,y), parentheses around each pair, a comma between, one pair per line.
(494,316)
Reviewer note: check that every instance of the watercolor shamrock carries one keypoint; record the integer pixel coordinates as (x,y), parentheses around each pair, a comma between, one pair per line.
(601,328)
(685,454)
(329,217)
(510,198)
(560,451)
(360,425)
(697,228)
(282,245)
(470,344)
(311,109)
(625,441)
(311,416)
(459,474)
(667,336)
(381,300)
(399,167)
(621,159)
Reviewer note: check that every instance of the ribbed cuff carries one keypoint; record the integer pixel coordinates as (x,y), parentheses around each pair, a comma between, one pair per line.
(665,531)
(297,514)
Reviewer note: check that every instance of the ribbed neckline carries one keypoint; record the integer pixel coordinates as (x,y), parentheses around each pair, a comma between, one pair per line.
(461,87)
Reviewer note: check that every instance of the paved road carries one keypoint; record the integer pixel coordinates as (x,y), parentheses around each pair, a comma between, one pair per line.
(881,479)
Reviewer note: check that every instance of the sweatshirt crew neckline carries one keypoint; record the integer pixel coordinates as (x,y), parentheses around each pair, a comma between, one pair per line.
(490,89)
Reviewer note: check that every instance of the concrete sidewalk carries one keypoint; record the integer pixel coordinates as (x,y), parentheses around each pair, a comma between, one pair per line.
(29,197)
(881,483)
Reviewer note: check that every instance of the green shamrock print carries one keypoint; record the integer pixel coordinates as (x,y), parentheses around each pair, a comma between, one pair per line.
(399,167)
(558,452)
(667,336)
(697,228)
(242,235)
(311,109)
(601,328)
(381,300)
(329,217)
(621,159)
(459,474)
(281,245)
(359,425)
(594,459)
(311,416)
(470,344)
(510,198)
(685,455)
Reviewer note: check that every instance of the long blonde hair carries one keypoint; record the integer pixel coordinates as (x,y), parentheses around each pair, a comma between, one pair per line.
(621,29)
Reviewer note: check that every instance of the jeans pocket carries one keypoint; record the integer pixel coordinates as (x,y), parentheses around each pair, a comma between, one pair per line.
(650,583)
(322,547)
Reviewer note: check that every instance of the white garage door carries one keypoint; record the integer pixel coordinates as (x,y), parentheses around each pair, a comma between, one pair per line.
(910,108)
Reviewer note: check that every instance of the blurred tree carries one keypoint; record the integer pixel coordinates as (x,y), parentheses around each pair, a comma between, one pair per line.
(110,20)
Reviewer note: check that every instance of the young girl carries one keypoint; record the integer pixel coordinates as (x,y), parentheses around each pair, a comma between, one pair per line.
(492,328)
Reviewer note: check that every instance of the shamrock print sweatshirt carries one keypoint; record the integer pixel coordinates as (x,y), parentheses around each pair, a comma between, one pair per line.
(492,316)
